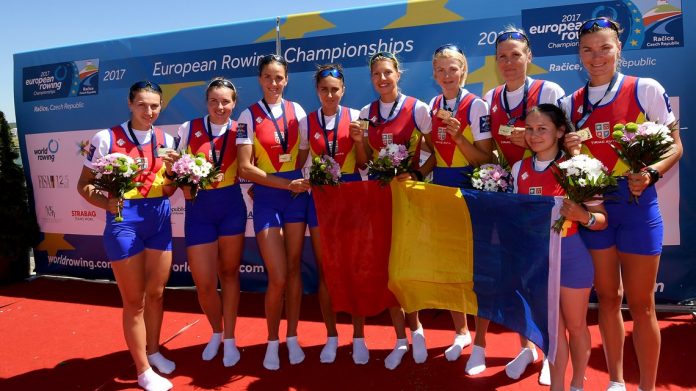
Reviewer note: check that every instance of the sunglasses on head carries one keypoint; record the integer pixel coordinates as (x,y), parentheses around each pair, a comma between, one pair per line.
(603,23)
(222,83)
(274,57)
(448,46)
(377,56)
(331,72)
(146,84)
(516,35)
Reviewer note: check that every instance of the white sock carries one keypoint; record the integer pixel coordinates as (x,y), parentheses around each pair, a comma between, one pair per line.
(212,347)
(477,361)
(545,374)
(394,358)
(515,368)
(460,342)
(163,365)
(231,353)
(580,389)
(271,361)
(151,381)
(616,386)
(328,353)
(420,352)
(361,355)
(295,353)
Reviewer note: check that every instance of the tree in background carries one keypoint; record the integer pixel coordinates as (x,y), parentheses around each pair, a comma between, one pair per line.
(19,230)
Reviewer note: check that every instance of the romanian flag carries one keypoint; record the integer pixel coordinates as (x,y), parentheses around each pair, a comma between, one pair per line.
(492,255)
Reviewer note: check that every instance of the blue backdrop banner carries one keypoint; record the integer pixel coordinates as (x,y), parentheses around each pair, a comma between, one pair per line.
(64,95)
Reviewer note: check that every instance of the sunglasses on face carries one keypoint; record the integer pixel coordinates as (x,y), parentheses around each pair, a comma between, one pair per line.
(331,72)
(603,23)
(141,85)
(516,35)
(222,83)
(377,56)
(448,46)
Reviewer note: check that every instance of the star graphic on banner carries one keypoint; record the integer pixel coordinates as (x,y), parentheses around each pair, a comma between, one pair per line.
(169,91)
(638,19)
(637,31)
(488,74)
(53,243)
(634,43)
(296,26)
(420,13)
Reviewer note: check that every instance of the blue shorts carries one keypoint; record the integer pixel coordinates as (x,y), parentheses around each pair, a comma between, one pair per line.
(276,207)
(633,229)
(577,270)
(215,213)
(146,224)
(311,209)
(453,176)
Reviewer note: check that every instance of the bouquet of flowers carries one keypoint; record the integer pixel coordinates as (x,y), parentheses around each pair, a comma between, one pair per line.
(583,178)
(324,171)
(115,174)
(642,145)
(394,159)
(492,177)
(195,171)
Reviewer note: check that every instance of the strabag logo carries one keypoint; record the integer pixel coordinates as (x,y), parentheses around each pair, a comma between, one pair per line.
(645,24)
(47,153)
(83,214)
(61,80)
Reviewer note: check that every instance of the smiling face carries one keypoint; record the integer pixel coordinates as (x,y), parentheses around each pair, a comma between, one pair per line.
(330,91)
(145,108)
(385,79)
(449,73)
(220,104)
(273,80)
(542,135)
(599,53)
(512,57)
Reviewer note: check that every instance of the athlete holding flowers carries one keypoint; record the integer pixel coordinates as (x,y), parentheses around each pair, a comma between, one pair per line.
(627,254)
(139,245)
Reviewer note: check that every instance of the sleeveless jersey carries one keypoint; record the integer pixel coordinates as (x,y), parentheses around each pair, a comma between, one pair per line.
(402,129)
(152,176)
(532,182)
(199,142)
(345,149)
(499,117)
(446,151)
(267,145)
(622,109)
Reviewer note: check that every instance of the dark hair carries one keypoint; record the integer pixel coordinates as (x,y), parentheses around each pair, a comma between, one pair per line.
(144,85)
(269,58)
(555,114)
(598,24)
(221,82)
(326,70)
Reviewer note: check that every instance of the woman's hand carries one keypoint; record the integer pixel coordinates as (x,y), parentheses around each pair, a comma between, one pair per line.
(169,158)
(574,212)
(299,185)
(114,205)
(454,129)
(517,138)
(356,133)
(572,143)
(638,182)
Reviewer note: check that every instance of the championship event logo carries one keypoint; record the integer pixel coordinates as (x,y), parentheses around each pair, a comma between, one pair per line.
(646,24)
(61,80)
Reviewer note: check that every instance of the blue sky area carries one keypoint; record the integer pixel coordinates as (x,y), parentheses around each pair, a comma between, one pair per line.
(34,25)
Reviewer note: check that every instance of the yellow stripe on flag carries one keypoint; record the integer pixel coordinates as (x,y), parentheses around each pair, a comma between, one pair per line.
(431,259)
